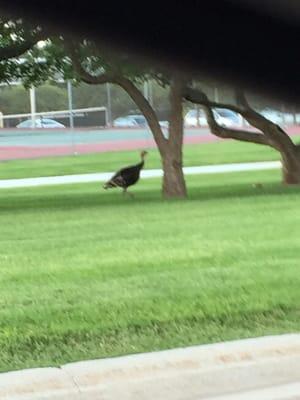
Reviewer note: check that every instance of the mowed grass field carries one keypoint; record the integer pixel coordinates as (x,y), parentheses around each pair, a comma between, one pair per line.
(86,273)
(198,154)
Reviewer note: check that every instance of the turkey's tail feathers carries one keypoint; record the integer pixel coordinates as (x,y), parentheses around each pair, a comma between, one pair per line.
(117,181)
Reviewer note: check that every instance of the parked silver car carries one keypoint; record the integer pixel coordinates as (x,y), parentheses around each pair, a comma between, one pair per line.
(223,116)
(131,121)
(40,123)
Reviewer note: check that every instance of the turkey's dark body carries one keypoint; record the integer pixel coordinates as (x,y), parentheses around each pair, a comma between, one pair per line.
(127,176)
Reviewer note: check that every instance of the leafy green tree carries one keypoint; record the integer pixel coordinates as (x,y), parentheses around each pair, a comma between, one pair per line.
(51,98)
(85,62)
(94,66)
(16,38)
(85,95)
(14,100)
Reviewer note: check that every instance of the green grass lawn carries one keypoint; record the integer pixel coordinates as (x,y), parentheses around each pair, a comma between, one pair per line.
(199,154)
(86,273)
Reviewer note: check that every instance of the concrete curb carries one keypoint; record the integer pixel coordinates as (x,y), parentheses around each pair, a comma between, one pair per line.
(185,373)
(145,174)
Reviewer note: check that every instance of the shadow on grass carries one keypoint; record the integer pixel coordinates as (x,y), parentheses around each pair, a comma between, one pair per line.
(85,195)
(244,190)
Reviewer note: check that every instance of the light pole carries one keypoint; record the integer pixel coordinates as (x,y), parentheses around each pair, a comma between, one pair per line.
(71,115)
(70,104)
(146,90)
(32,105)
(216,94)
(108,95)
(150,93)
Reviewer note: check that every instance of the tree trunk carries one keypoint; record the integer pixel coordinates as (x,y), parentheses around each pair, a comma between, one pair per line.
(291,166)
(173,179)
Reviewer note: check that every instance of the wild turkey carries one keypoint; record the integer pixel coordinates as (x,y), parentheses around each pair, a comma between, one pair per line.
(127,176)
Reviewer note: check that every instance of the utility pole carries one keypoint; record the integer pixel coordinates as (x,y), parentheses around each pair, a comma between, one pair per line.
(150,93)
(108,95)
(70,104)
(32,106)
(216,94)
(146,90)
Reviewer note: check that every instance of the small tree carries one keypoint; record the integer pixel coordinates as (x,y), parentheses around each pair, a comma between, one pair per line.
(84,61)
(97,66)
(269,133)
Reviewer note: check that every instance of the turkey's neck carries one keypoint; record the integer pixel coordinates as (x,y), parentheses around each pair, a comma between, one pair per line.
(142,163)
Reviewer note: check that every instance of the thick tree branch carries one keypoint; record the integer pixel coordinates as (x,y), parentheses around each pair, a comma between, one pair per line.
(146,110)
(198,97)
(16,50)
(243,108)
(271,135)
(238,134)
(276,135)
(127,85)
(241,99)
(84,75)
(254,118)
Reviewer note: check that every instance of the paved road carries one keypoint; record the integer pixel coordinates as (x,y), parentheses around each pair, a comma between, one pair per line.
(290,391)
(150,173)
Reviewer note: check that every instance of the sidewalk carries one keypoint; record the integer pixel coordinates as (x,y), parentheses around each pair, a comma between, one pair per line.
(150,173)
(266,368)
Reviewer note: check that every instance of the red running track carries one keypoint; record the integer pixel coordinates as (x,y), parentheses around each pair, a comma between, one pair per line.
(23,152)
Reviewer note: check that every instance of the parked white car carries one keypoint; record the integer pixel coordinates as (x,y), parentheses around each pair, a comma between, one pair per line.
(131,121)
(224,117)
(164,124)
(40,123)
(272,115)
(278,117)
(190,119)
(227,118)
(124,122)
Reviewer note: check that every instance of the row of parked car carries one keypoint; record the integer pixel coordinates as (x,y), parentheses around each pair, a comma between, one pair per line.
(229,118)
(223,116)
(193,118)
